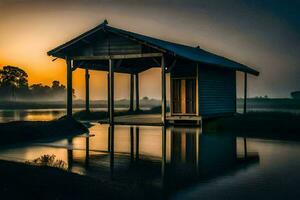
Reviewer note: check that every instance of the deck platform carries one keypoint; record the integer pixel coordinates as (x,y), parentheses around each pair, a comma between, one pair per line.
(153,120)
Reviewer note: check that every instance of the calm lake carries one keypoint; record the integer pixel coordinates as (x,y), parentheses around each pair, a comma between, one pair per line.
(39,114)
(182,163)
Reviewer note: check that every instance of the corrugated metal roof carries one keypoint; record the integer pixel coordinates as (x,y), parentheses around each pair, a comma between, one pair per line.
(191,53)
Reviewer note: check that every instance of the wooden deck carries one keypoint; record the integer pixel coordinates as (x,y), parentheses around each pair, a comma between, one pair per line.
(153,120)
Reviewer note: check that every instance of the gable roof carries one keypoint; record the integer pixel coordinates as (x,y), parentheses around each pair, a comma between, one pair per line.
(191,53)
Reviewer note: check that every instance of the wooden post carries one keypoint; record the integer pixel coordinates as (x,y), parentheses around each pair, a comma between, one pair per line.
(108,90)
(70,153)
(137,143)
(163,90)
(111,91)
(87,90)
(108,139)
(112,150)
(137,95)
(245,148)
(197,150)
(131,92)
(131,144)
(245,93)
(87,151)
(69,87)
(164,152)
(197,91)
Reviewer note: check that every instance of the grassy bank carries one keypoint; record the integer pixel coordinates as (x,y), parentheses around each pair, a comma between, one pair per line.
(275,124)
(25,131)
(22,181)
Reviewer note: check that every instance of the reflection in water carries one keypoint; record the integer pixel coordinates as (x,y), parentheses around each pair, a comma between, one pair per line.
(167,159)
(175,159)
(44,114)
(31,115)
(70,153)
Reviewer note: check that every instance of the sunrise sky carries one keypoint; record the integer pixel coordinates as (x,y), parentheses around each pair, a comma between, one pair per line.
(263,34)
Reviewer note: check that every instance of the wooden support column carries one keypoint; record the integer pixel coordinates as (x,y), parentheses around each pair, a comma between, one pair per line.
(111,130)
(87,151)
(164,153)
(137,95)
(108,90)
(245,93)
(245,148)
(69,87)
(111,92)
(163,90)
(87,90)
(137,143)
(131,144)
(131,92)
(70,153)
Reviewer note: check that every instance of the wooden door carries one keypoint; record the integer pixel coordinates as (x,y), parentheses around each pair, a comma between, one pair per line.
(190,93)
(176,96)
(184,96)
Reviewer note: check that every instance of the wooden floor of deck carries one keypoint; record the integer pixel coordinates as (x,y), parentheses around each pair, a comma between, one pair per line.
(152,120)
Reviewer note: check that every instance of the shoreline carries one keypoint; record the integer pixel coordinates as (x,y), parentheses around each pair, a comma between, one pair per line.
(28,131)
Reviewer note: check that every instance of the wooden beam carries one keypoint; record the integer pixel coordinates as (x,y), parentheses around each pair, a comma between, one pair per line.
(118,63)
(113,57)
(105,68)
(87,90)
(172,65)
(111,92)
(131,92)
(75,67)
(245,92)
(158,64)
(137,91)
(163,90)
(69,87)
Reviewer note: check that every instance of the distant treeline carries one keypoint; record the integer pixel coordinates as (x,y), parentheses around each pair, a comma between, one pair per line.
(122,103)
(284,103)
(14,87)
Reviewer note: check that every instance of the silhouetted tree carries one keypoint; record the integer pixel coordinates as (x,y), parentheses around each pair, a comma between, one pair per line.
(39,90)
(13,76)
(145,98)
(14,83)
(13,80)
(59,90)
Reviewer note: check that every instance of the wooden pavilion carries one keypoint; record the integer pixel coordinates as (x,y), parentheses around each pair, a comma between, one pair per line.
(202,84)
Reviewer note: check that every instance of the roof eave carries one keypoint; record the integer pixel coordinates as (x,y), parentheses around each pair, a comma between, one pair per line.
(55,52)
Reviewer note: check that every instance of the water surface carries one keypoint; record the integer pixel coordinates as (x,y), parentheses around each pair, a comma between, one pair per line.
(182,163)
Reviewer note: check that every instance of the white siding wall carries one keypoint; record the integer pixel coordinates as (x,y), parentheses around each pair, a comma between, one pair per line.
(217,91)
